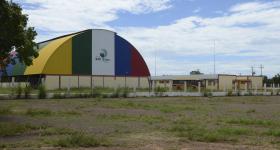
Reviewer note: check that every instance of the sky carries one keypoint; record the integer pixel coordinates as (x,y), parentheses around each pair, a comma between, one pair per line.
(175,36)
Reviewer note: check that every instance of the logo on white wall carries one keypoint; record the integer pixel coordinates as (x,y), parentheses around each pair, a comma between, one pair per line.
(102,56)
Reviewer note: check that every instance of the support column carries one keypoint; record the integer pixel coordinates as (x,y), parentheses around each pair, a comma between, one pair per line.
(235,87)
(69,84)
(139,82)
(170,85)
(103,82)
(185,86)
(199,87)
(59,82)
(153,85)
(273,88)
(256,89)
(125,81)
(78,81)
(13,81)
(265,87)
(246,87)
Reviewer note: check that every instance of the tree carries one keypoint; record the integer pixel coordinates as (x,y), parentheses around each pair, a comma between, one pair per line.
(195,72)
(275,79)
(15,36)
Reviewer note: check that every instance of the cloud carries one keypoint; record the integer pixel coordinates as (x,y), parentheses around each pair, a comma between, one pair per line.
(197,10)
(255,29)
(74,15)
(247,34)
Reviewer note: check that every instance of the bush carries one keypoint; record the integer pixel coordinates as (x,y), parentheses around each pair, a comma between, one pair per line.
(18,91)
(207,94)
(229,93)
(125,93)
(27,91)
(116,94)
(39,112)
(58,96)
(95,93)
(42,93)
(159,91)
(80,140)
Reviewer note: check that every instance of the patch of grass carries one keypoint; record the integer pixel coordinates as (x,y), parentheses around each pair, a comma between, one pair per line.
(47,113)
(80,140)
(165,108)
(127,118)
(250,111)
(69,113)
(273,132)
(11,129)
(5,111)
(251,122)
(38,112)
(57,131)
(231,131)
(197,133)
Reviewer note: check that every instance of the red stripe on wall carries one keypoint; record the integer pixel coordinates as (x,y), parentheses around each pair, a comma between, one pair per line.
(138,65)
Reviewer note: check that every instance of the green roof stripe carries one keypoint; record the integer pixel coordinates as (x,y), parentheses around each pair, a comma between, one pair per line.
(81,53)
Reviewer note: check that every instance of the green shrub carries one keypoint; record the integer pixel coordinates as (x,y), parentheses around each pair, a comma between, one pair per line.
(42,93)
(58,96)
(229,93)
(273,132)
(80,140)
(5,111)
(116,93)
(125,93)
(38,112)
(11,129)
(207,94)
(95,93)
(160,90)
(18,91)
(27,91)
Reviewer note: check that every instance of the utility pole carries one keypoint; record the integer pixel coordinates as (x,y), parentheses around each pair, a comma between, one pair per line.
(214,56)
(155,62)
(261,67)
(253,73)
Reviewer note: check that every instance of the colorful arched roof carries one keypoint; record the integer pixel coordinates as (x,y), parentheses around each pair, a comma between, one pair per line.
(90,52)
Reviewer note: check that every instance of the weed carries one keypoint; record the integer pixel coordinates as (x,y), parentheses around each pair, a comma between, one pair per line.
(42,93)
(18,91)
(80,140)
(59,96)
(250,111)
(39,112)
(273,132)
(57,131)
(11,129)
(251,122)
(160,90)
(27,91)
(5,111)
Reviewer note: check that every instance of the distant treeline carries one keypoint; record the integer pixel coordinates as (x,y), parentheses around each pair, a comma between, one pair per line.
(275,79)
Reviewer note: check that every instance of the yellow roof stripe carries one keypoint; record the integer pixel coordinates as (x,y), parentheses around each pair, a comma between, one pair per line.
(56,53)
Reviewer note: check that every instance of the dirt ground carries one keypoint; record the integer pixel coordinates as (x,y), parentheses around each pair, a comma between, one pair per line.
(142,123)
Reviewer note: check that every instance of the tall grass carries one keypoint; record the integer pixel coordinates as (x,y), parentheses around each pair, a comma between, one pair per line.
(80,140)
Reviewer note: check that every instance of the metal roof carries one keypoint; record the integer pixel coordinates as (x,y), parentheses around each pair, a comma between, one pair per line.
(185,77)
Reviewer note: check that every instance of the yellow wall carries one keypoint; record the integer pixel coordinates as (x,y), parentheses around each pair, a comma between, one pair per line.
(256,82)
(52,82)
(225,82)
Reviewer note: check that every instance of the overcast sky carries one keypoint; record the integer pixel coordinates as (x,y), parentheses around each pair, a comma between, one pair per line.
(181,33)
